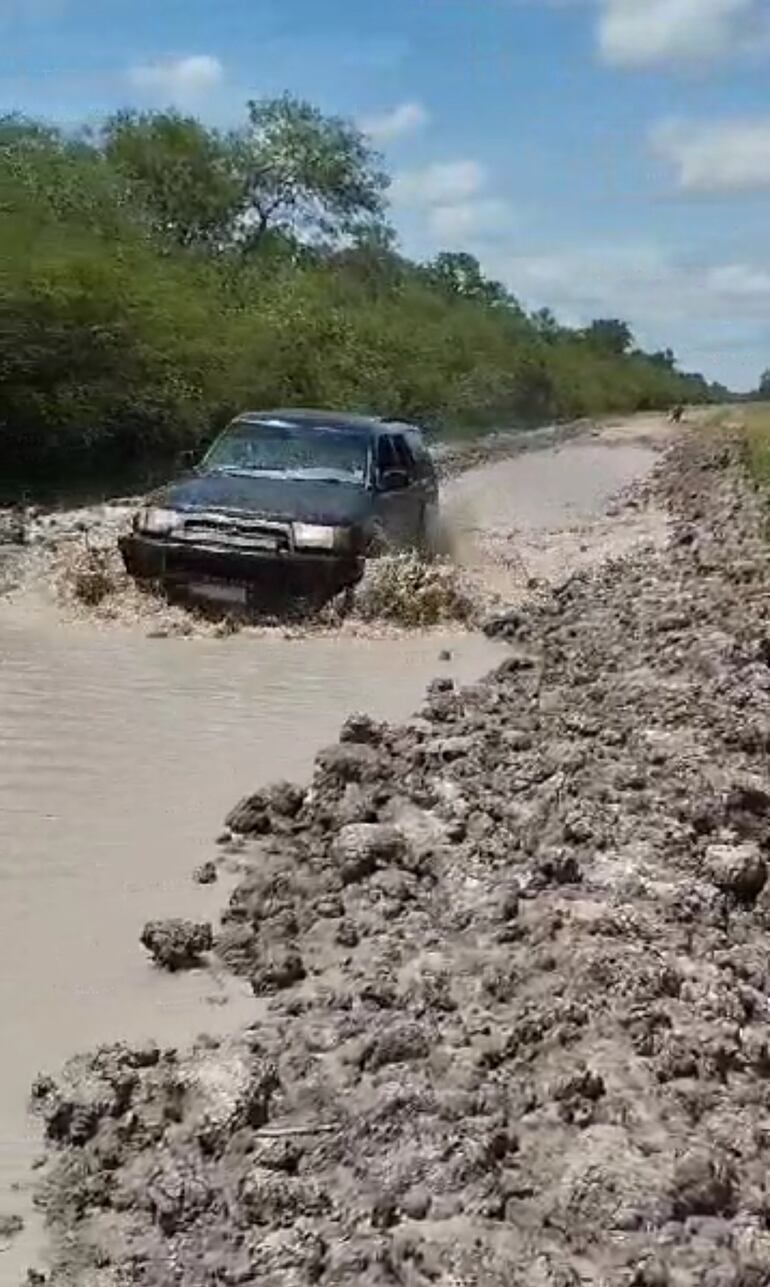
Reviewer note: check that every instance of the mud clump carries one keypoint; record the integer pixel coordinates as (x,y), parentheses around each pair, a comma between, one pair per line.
(10,1227)
(177,944)
(206,874)
(739,870)
(89,581)
(407,590)
(511,962)
(93,576)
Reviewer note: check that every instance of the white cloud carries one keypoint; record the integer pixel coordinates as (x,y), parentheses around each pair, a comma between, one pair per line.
(725,156)
(442,183)
(406,118)
(713,315)
(449,202)
(464,221)
(592,281)
(637,33)
(740,283)
(177,80)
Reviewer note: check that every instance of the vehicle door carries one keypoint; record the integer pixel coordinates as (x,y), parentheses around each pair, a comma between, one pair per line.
(397,491)
(426,470)
(429,534)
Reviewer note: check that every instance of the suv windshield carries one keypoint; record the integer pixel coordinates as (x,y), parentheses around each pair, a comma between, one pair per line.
(294,451)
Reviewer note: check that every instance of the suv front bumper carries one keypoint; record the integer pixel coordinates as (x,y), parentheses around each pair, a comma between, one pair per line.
(180,567)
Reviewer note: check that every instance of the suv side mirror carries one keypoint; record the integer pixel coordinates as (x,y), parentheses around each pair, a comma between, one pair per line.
(394,480)
(186,459)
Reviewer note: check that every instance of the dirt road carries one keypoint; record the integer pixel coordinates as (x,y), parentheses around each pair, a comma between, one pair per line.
(119,756)
(548,514)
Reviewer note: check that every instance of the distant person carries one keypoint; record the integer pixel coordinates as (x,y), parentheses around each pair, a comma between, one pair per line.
(677,413)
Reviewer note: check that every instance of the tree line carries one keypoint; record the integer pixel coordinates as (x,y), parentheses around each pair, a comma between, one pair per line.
(158,275)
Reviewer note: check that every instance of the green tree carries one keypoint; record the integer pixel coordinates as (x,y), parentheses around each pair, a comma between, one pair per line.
(117,343)
(304,173)
(459,273)
(665,358)
(371,259)
(182,173)
(46,176)
(610,334)
(546,325)
(290,174)
(764,386)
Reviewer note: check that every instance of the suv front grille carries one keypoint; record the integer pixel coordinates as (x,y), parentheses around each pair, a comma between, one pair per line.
(234,532)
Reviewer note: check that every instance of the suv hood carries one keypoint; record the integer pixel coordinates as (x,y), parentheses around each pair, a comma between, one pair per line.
(286,499)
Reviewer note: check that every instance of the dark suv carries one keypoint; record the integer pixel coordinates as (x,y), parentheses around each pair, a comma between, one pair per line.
(289,502)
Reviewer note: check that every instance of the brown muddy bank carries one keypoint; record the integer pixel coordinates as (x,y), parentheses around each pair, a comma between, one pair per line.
(510,969)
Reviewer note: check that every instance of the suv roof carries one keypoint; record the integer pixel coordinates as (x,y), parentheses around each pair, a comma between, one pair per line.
(334,419)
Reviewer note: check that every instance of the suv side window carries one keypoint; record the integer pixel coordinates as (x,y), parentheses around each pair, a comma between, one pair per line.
(386,454)
(422,457)
(404,457)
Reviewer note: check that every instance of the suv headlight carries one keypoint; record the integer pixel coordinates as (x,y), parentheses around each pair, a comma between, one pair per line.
(157,522)
(314,536)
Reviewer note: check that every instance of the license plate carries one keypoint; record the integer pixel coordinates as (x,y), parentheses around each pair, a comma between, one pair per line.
(219,591)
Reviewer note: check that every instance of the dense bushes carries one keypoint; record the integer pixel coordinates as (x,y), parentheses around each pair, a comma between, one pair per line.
(125,332)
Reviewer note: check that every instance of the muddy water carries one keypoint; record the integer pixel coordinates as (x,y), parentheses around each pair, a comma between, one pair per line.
(551,489)
(543,515)
(119,757)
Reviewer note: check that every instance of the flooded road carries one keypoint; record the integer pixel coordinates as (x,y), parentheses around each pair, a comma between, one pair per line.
(119,757)
(544,515)
(547,490)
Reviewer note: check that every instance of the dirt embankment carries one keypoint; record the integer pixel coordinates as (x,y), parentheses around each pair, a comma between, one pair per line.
(510,967)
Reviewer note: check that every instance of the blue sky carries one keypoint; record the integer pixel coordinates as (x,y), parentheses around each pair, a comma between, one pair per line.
(602,157)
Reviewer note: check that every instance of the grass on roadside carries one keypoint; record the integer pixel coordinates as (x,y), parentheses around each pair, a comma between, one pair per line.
(756,425)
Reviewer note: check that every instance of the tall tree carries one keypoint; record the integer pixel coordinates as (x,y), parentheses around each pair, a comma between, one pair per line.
(371,258)
(183,174)
(305,173)
(546,325)
(289,172)
(665,358)
(764,385)
(57,176)
(610,334)
(459,273)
